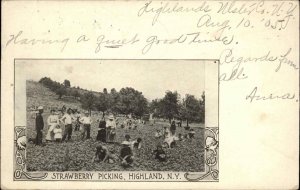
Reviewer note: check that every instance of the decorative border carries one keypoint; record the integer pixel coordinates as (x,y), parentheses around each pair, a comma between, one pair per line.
(211,157)
(20,157)
(211,136)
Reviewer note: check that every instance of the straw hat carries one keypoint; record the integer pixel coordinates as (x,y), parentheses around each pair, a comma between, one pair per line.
(40,108)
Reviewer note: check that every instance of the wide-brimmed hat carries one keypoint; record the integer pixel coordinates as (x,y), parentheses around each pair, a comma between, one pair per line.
(40,108)
(110,117)
(125,143)
(86,112)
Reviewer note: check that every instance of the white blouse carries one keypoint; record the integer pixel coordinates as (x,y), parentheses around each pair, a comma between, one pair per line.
(86,120)
(53,119)
(111,124)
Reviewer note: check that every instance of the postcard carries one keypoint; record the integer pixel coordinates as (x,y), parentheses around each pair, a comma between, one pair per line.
(150,95)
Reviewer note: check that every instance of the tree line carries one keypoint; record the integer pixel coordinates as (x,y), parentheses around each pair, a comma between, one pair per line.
(171,106)
(131,101)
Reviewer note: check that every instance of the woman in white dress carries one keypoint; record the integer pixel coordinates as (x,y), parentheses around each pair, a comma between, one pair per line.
(52,122)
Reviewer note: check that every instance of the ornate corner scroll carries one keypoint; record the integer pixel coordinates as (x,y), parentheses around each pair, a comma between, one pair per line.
(20,142)
(211,158)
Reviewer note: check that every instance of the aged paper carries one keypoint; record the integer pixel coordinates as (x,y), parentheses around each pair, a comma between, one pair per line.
(150,95)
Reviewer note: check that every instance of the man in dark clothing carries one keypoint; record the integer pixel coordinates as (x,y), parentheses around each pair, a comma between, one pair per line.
(173,128)
(126,154)
(39,126)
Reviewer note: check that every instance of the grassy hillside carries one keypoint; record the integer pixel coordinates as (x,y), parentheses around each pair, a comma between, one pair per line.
(38,95)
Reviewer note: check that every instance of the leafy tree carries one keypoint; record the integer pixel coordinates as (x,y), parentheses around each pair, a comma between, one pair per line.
(53,85)
(113,91)
(102,103)
(203,98)
(155,107)
(61,91)
(132,101)
(75,93)
(88,101)
(202,108)
(141,106)
(169,105)
(46,81)
(105,91)
(67,83)
(114,99)
(191,109)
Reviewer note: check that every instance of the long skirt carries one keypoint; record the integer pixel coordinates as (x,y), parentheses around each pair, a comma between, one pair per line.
(50,134)
(101,136)
(110,135)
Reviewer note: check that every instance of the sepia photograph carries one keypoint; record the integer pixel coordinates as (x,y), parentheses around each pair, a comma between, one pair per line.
(114,115)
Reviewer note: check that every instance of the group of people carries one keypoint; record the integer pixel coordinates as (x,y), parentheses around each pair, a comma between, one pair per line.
(106,134)
(68,118)
(126,156)
(170,137)
(131,123)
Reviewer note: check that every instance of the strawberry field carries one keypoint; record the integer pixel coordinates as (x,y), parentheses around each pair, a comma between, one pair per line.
(188,155)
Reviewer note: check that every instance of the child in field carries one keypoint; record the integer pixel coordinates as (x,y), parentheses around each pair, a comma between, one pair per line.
(129,123)
(135,124)
(180,137)
(137,143)
(126,154)
(191,134)
(169,141)
(57,133)
(159,153)
(157,134)
(123,124)
(166,132)
(179,123)
(173,127)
